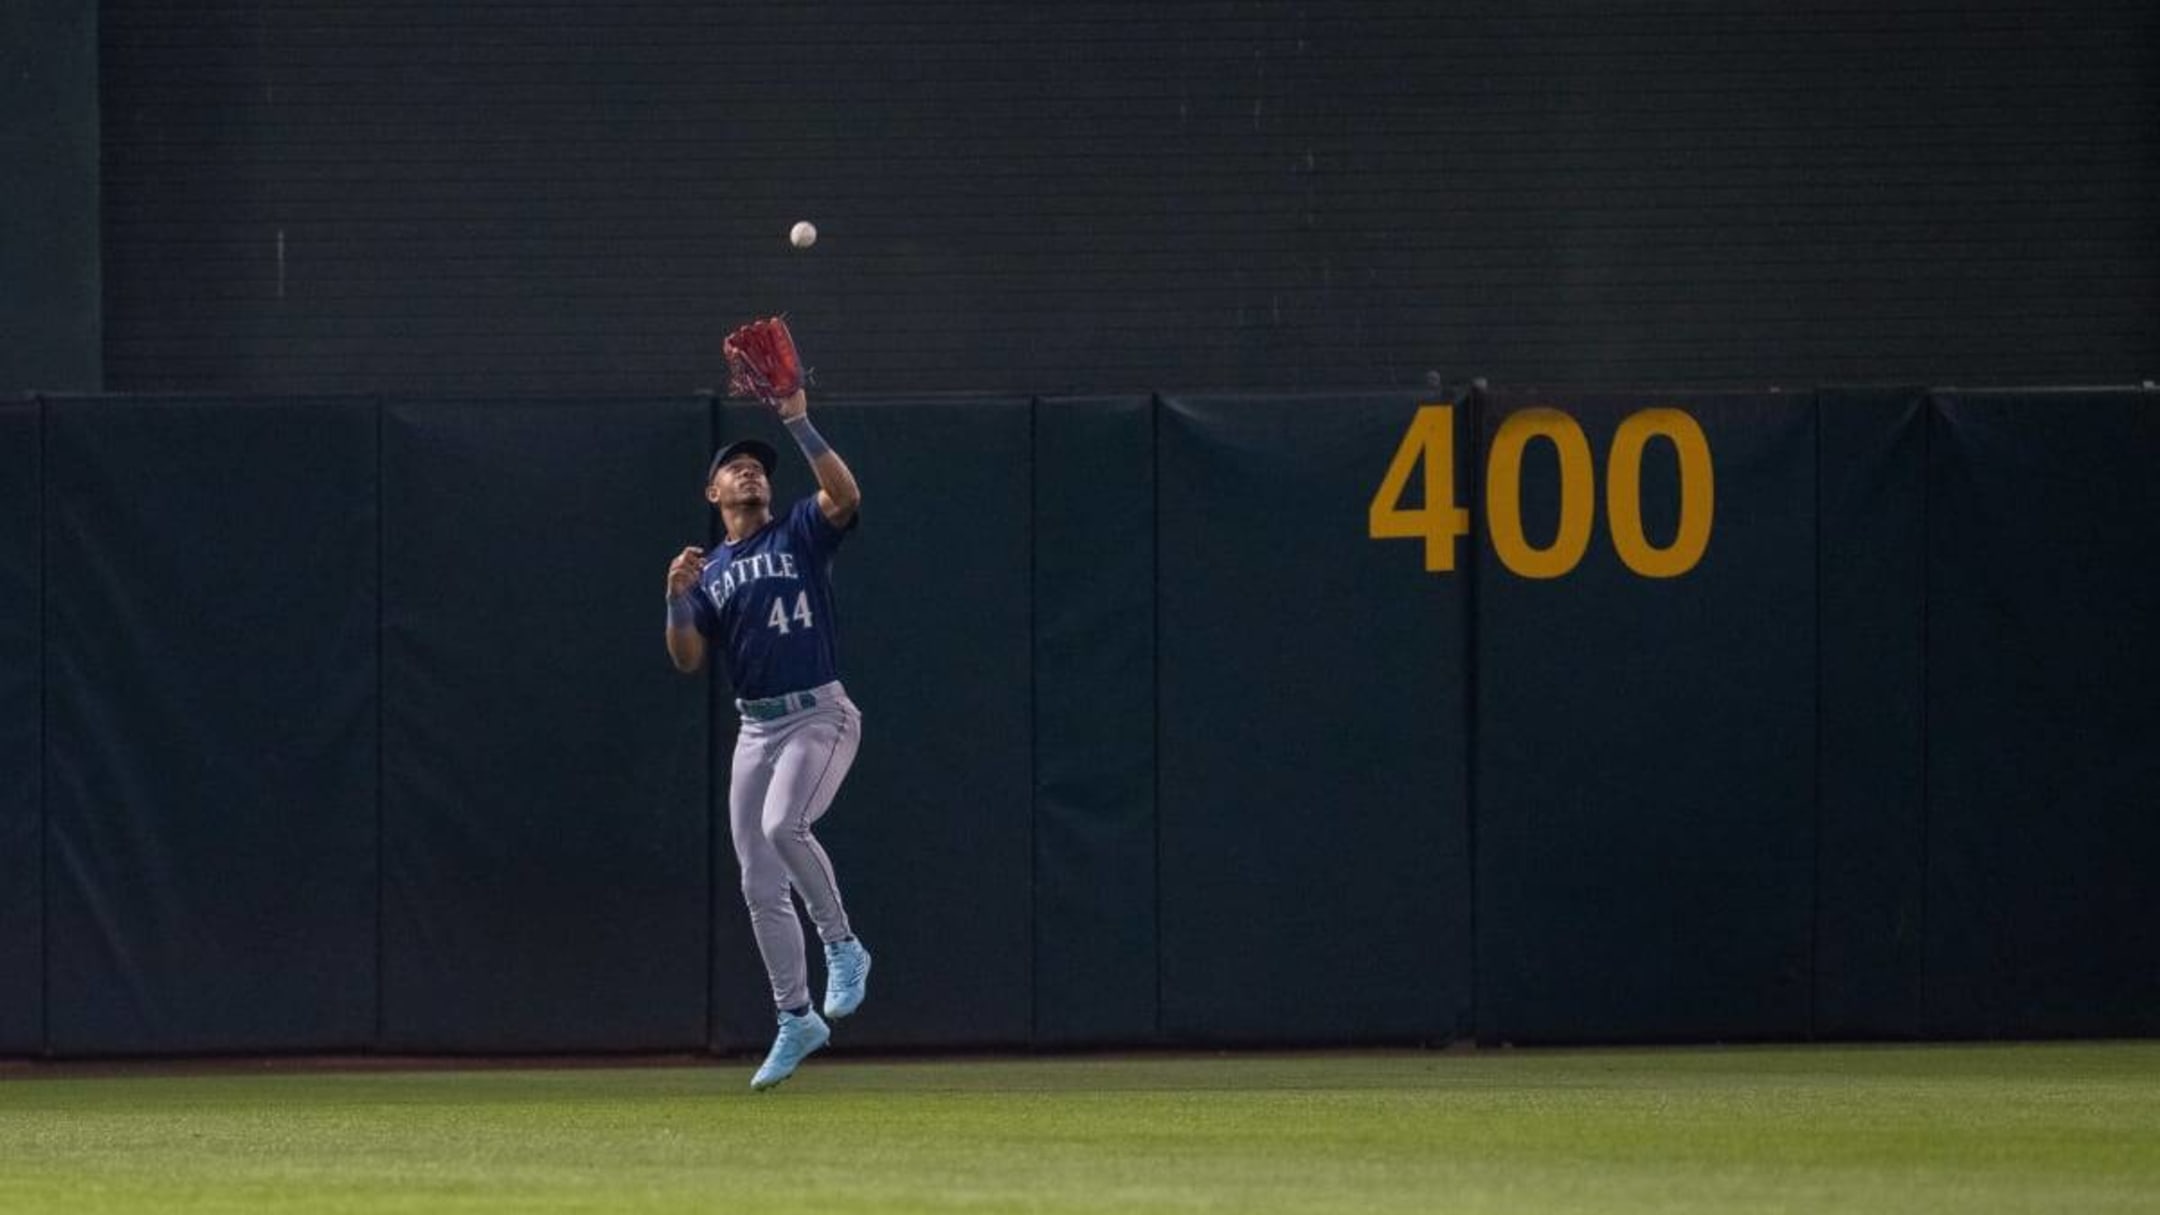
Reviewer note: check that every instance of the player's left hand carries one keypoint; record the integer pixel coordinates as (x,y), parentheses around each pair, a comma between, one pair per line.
(763,363)
(794,405)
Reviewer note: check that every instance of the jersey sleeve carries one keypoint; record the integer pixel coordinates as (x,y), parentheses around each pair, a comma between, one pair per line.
(702,613)
(809,525)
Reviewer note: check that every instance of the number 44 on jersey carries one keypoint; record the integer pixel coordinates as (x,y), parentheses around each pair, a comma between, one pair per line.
(1430,444)
(778,620)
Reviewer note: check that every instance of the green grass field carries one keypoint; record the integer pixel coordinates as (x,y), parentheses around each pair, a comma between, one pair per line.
(1927,1129)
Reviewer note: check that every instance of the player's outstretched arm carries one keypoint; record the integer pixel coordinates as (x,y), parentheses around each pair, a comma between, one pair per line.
(685,645)
(838,495)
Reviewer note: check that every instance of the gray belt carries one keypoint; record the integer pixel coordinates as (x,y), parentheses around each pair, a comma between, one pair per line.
(775,706)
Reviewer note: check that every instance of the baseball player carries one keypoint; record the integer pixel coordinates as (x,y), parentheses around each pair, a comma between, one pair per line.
(765,599)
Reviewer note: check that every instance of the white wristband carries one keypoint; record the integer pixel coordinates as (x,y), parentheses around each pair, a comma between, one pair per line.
(806,437)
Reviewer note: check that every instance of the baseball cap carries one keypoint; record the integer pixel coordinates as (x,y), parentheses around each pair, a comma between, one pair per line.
(762,452)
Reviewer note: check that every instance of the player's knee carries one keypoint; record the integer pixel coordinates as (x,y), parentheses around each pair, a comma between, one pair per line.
(764,893)
(784,831)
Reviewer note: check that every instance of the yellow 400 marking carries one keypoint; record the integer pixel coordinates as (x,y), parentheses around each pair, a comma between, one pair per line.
(1439,522)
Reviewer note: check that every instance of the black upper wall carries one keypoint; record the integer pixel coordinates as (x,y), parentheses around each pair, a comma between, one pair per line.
(49,337)
(420,195)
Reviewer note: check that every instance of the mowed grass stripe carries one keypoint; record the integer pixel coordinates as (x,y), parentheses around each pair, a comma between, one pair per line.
(2000,1128)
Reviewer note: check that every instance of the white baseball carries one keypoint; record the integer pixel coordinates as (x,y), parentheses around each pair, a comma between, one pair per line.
(803,234)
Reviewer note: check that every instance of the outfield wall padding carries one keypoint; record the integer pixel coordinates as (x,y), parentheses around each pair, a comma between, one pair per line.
(346,724)
(1870,854)
(931,835)
(544,819)
(1314,879)
(1096,969)
(1646,746)
(2043,714)
(22,802)
(210,630)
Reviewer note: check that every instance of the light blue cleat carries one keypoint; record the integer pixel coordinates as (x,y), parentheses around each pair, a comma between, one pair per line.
(847,977)
(798,1037)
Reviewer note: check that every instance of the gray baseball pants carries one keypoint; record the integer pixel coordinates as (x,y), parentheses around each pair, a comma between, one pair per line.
(786,772)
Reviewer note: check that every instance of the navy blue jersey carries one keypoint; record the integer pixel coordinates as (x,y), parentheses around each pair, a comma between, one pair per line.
(768,599)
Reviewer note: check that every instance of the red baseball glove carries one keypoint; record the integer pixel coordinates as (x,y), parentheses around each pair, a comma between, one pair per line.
(762,362)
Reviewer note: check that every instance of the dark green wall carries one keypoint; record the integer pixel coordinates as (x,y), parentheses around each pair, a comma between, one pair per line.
(1646,748)
(1312,816)
(210,725)
(2042,766)
(22,728)
(543,818)
(344,723)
